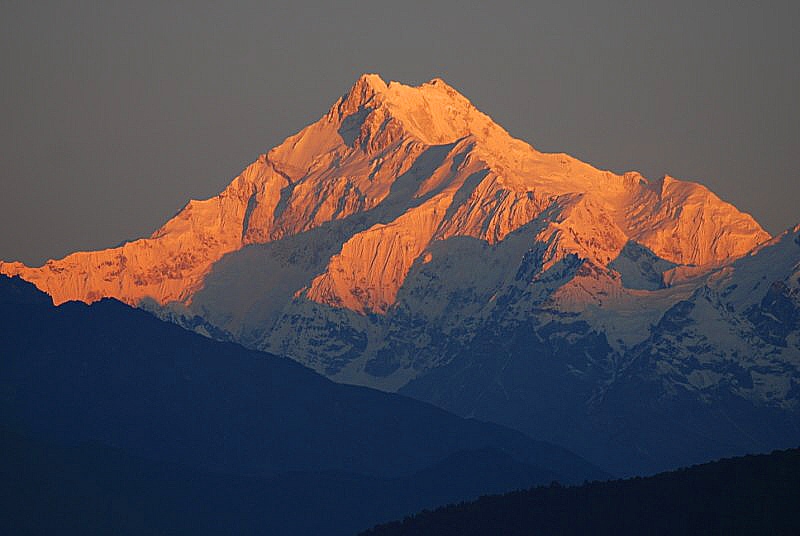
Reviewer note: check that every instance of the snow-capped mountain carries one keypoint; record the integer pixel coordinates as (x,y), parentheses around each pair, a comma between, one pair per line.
(646,379)
(407,242)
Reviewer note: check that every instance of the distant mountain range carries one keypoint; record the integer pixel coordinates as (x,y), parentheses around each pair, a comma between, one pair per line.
(750,495)
(113,421)
(407,242)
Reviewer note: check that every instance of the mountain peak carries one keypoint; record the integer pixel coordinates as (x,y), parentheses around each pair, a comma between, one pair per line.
(360,94)
(367,85)
(433,112)
(372,79)
(437,81)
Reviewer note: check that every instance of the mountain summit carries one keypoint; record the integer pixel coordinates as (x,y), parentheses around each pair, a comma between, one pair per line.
(407,242)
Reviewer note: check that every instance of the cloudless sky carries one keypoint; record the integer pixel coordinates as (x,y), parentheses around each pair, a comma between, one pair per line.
(113,115)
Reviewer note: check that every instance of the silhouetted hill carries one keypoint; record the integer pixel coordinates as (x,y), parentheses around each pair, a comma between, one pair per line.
(177,423)
(93,489)
(749,495)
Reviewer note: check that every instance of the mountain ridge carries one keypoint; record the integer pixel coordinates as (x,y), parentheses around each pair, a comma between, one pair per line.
(746,495)
(380,132)
(110,416)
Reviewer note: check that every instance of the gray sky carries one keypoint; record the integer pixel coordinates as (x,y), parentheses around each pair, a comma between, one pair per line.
(113,115)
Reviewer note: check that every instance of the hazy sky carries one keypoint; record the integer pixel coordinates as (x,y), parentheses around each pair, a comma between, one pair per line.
(113,115)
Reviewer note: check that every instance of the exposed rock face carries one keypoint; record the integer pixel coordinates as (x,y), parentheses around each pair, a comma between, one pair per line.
(407,242)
